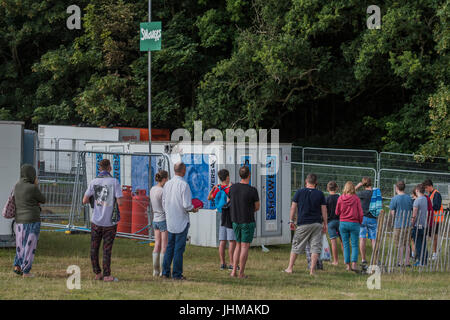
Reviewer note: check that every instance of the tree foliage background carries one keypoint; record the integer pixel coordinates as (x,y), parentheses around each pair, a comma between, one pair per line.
(309,67)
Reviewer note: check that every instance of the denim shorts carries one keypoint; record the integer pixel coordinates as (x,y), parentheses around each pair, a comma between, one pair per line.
(368,228)
(226,234)
(333,229)
(161,225)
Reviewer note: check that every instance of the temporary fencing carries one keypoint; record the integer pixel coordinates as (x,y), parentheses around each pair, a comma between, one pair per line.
(58,182)
(326,173)
(332,157)
(403,161)
(406,242)
(64,180)
(353,164)
(389,177)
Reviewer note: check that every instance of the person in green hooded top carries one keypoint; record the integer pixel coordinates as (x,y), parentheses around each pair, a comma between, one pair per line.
(28,221)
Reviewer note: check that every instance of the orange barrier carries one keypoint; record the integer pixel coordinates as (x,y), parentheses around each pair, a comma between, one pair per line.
(139,218)
(125,209)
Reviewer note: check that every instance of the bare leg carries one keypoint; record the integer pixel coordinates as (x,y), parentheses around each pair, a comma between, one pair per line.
(157,247)
(237,253)
(334,251)
(222,247)
(164,241)
(231,247)
(292,259)
(243,258)
(314,258)
(362,248)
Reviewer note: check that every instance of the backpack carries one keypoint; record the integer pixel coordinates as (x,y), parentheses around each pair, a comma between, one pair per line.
(221,198)
(223,206)
(376,202)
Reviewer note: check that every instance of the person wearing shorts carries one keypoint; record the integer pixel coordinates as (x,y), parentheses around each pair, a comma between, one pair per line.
(226,233)
(401,209)
(244,232)
(333,219)
(368,229)
(244,203)
(159,222)
(310,206)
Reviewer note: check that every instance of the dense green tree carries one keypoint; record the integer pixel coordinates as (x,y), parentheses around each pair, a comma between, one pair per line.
(311,68)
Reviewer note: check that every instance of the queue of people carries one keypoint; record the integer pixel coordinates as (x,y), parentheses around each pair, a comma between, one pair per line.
(348,216)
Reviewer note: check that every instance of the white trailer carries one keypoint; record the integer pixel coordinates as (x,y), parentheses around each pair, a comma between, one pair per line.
(68,138)
(11,157)
(272,178)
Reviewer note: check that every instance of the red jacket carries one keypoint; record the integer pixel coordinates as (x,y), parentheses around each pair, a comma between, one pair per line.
(349,208)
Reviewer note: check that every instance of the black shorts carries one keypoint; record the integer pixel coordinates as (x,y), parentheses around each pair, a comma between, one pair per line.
(435,227)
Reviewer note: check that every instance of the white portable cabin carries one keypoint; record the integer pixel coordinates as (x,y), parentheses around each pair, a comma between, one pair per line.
(11,157)
(273,182)
(68,138)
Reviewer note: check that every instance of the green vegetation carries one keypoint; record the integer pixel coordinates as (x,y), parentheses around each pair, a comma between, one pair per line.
(131,263)
(311,68)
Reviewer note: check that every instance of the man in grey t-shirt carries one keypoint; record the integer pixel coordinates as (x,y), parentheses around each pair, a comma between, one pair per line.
(419,221)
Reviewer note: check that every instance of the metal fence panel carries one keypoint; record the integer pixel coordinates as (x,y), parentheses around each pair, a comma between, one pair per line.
(64,176)
(132,171)
(58,181)
(342,157)
(326,173)
(389,177)
(402,161)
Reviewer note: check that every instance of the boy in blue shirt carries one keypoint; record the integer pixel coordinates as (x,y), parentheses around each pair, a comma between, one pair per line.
(401,208)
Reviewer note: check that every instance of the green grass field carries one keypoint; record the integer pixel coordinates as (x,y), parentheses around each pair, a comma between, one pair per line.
(131,263)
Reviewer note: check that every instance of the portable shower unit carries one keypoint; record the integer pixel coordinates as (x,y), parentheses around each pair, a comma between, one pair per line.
(11,157)
(271,176)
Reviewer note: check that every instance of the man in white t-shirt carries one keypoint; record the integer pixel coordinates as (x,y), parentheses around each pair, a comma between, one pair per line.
(107,193)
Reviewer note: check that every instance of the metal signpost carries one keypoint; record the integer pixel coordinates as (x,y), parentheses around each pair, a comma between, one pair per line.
(150,40)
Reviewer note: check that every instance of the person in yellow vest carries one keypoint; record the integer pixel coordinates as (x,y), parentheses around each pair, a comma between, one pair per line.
(436,200)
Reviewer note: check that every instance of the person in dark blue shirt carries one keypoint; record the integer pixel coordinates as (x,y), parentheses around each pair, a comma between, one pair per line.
(310,206)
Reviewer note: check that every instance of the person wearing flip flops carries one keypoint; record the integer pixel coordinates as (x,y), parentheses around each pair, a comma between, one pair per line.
(28,221)
(107,195)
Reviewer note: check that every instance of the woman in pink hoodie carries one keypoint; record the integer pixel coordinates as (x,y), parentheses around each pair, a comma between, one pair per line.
(350,214)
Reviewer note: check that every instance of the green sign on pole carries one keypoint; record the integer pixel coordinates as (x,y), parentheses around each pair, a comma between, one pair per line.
(150,36)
